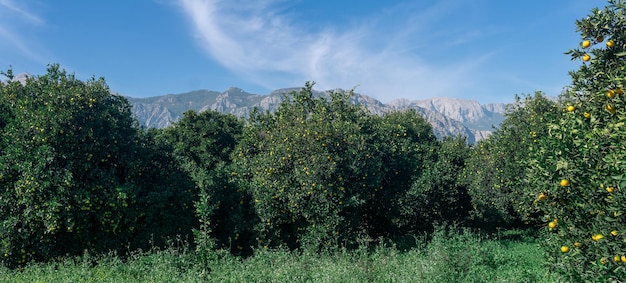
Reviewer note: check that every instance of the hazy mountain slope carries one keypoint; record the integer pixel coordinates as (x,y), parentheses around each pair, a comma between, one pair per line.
(161,111)
(468,112)
(449,117)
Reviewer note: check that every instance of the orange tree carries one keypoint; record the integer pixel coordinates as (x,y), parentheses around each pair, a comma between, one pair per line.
(438,194)
(408,154)
(578,171)
(202,144)
(308,167)
(495,164)
(77,174)
(324,172)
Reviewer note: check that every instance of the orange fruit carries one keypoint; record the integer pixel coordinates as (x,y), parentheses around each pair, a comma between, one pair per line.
(623,258)
(587,115)
(571,108)
(611,93)
(586,43)
(564,183)
(610,108)
(610,189)
(616,258)
(564,249)
(610,43)
(578,245)
(614,233)
(586,57)
(552,225)
(542,196)
(597,237)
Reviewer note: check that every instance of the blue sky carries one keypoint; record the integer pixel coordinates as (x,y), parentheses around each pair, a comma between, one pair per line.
(487,50)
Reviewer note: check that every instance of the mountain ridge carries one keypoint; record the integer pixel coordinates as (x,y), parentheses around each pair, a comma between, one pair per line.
(448,116)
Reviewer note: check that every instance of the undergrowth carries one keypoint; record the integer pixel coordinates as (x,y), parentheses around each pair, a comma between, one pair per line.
(447,255)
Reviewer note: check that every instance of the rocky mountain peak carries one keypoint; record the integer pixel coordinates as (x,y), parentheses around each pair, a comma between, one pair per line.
(462,110)
(448,116)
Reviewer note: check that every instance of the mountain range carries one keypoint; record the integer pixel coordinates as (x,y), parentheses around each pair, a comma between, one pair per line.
(448,116)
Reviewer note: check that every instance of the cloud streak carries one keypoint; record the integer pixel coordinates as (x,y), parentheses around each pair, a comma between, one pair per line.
(12,17)
(269,47)
(21,12)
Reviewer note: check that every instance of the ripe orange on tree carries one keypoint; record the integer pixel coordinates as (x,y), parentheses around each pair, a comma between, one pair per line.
(611,93)
(611,108)
(610,43)
(542,196)
(552,224)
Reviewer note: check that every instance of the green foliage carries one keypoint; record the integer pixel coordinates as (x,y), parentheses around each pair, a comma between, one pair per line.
(202,140)
(579,167)
(203,143)
(164,194)
(71,166)
(496,166)
(439,194)
(309,167)
(405,147)
(450,256)
(325,172)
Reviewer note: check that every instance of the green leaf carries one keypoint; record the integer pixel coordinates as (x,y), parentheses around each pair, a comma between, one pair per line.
(562,165)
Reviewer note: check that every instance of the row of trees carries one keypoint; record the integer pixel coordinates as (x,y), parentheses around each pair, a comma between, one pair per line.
(318,172)
(77,173)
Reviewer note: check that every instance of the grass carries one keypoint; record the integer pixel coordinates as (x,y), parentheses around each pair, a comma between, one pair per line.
(459,256)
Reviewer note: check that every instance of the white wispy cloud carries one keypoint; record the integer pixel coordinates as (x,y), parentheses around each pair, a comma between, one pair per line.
(11,6)
(13,17)
(270,47)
